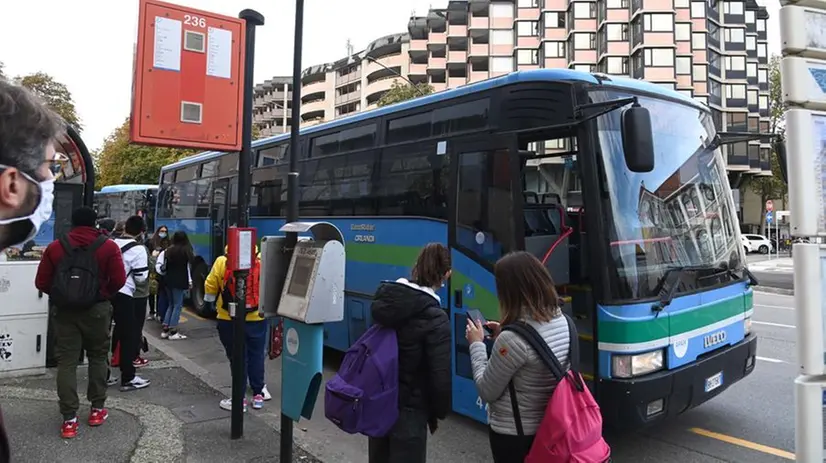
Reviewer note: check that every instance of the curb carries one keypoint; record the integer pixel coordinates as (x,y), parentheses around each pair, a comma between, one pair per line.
(204,375)
(161,439)
(773,290)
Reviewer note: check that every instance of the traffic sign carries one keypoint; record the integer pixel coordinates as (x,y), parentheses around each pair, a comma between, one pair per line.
(769,205)
(769,217)
(189,78)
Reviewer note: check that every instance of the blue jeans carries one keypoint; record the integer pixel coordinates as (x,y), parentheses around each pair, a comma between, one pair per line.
(163,302)
(256,340)
(173,315)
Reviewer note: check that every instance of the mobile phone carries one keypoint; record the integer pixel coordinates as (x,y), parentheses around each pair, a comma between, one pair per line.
(476,315)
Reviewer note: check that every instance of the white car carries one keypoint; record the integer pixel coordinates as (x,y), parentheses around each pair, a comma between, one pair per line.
(746,244)
(757,243)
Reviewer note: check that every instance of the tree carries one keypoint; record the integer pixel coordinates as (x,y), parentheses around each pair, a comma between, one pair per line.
(773,187)
(54,93)
(120,161)
(404,91)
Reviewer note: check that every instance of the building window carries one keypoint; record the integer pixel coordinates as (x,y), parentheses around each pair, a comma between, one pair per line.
(750,17)
(528,4)
(501,10)
(585,10)
(617,32)
(699,73)
(751,43)
(682,31)
(698,9)
(501,64)
(616,4)
(617,65)
(660,22)
(683,65)
(735,92)
(682,3)
(762,75)
(752,97)
(659,57)
(527,56)
(732,7)
(585,41)
(761,25)
(735,63)
(501,37)
(764,102)
(698,40)
(554,49)
(735,35)
(527,28)
(751,70)
(761,50)
(584,67)
(554,19)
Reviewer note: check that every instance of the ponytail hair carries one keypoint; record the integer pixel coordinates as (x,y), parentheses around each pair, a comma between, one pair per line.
(431,266)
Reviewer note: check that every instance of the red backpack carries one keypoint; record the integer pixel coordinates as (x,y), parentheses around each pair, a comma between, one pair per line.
(228,294)
(571,430)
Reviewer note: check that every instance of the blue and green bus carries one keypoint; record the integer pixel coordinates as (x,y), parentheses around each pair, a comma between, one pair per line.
(119,202)
(649,263)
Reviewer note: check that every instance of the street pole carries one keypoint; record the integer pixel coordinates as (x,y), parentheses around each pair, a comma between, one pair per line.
(805,119)
(292,195)
(253,19)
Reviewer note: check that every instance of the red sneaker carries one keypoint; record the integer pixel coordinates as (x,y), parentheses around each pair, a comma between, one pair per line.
(69,429)
(140,362)
(97,416)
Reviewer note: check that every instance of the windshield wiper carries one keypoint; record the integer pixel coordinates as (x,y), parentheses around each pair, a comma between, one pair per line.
(670,282)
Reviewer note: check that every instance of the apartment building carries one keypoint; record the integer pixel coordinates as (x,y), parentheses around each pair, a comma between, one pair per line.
(272,106)
(714,51)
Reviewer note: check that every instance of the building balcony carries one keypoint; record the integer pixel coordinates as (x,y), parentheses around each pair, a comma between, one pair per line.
(418,69)
(457,57)
(457,31)
(437,63)
(377,88)
(479,22)
(313,107)
(315,87)
(418,45)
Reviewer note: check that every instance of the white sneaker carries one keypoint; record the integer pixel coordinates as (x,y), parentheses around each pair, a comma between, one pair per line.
(266,394)
(164,334)
(136,383)
(176,337)
(226,404)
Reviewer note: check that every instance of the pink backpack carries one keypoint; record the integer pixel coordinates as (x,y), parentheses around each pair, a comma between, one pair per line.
(571,430)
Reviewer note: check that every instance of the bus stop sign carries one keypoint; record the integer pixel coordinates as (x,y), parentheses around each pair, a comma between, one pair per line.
(188,78)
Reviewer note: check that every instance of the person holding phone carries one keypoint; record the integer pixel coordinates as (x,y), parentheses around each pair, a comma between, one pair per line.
(526,293)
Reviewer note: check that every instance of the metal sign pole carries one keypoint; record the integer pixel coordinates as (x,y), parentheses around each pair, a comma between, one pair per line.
(252,20)
(801,70)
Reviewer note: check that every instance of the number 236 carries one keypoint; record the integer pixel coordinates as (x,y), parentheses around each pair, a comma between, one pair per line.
(195,21)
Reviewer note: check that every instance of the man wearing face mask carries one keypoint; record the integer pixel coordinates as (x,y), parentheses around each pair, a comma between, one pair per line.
(27,162)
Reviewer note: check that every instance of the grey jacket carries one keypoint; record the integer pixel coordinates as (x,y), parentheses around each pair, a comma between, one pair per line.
(513,358)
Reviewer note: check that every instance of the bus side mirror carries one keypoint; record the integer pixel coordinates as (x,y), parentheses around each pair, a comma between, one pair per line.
(637,139)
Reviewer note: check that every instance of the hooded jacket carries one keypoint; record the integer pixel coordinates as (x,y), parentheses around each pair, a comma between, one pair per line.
(423,332)
(111,272)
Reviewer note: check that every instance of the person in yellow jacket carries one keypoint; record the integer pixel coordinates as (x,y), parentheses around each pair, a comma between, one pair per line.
(256,335)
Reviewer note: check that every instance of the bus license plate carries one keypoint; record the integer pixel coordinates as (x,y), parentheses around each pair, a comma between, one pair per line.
(713,382)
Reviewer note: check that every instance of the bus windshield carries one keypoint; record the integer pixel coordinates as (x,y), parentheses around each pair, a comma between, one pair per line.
(680,215)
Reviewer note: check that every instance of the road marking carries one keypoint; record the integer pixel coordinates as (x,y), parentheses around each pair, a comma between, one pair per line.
(764,306)
(779,325)
(743,443)
(770,360)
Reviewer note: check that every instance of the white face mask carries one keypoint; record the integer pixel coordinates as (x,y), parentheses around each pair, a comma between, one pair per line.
(36,219)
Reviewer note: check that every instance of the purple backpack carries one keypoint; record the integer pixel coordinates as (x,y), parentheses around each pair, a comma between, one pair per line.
(363,397)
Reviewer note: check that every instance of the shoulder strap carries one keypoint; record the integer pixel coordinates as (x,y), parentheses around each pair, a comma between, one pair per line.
(64,243)
(128,246)
(97,243)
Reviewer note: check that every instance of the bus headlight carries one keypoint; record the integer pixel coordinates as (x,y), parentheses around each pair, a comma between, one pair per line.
(747,325)
(628,366)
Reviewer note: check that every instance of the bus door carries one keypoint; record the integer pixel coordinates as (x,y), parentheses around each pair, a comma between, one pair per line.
(481,229)
(219,217)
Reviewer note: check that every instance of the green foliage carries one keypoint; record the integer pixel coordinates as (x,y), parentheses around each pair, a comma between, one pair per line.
(403,91)
(773,187)
(55,94)
(120,161)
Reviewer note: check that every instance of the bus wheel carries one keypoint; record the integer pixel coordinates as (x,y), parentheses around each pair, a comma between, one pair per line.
(200,270)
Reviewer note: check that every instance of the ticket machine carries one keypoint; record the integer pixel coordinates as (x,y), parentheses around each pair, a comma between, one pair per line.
(309,295)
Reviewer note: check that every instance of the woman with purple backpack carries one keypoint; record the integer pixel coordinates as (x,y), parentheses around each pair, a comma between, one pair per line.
(526,294)
(414,310)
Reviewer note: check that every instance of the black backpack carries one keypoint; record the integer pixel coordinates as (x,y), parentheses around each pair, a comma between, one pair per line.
(76,285)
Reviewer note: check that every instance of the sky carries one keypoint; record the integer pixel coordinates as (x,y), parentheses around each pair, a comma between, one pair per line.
(88,44)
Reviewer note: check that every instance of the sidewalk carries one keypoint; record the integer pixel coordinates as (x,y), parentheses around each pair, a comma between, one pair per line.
(778,265)
(176,419)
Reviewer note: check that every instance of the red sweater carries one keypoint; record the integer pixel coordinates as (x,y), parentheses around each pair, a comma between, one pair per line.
(111,271)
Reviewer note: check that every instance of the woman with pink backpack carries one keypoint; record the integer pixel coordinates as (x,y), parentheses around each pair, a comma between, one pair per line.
(535,347)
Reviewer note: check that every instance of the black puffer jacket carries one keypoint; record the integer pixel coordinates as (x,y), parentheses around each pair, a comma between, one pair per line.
(423,331)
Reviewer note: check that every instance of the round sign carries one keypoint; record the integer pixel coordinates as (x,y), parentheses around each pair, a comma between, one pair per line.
(292,341)
(480,238)
(769,205)
(681,348)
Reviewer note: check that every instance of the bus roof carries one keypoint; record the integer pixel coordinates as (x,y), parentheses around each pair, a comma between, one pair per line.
(122,188)
(512,78)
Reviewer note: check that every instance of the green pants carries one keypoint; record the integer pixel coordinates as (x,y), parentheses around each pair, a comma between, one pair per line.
(78,331)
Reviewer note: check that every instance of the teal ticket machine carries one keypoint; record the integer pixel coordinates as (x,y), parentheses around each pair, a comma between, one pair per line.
(312,294)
